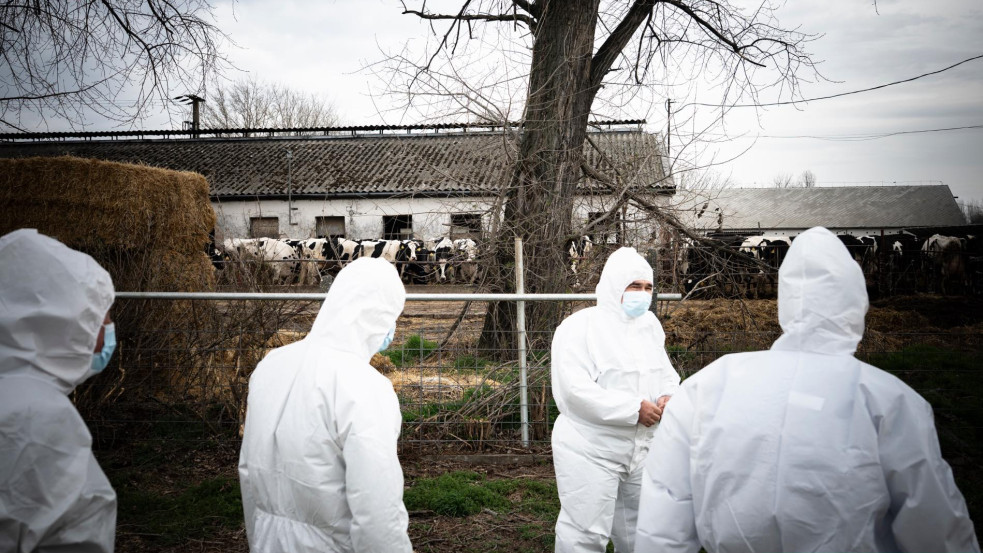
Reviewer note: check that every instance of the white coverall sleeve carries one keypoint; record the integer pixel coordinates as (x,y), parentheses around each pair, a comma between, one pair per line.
(666,520)
(927,512)
(670,378)
(374,478)
(576,391)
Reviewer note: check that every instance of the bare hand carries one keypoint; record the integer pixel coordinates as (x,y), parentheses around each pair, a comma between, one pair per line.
(662,401)
(649,413)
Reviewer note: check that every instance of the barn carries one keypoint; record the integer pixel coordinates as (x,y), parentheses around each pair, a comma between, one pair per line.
(856,210)
(422,182)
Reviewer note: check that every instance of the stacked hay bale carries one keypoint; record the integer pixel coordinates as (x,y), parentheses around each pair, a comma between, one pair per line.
(147,226)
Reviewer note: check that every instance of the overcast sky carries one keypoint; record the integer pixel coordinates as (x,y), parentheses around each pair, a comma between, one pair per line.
(322,47)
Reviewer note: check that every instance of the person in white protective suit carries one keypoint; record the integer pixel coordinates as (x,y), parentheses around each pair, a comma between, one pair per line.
(803,447)
(318,464)
(611,380)
(53,304)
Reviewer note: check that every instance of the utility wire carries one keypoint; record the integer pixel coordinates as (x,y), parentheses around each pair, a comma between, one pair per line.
(805,100)
(875,136)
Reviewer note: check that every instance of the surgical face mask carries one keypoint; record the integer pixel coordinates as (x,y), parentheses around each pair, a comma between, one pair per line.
(101,359)
(635,304)
(388,339)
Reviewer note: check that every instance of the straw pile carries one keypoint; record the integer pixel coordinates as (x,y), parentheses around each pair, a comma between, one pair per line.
(147,226)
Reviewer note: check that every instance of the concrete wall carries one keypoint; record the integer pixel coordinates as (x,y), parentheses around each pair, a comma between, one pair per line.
(431,217)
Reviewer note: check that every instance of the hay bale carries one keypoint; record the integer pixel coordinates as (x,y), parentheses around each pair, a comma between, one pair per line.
(147,226)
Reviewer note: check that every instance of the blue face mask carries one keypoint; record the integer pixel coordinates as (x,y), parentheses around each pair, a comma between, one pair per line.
(635,304)
(101,359)
(388,339)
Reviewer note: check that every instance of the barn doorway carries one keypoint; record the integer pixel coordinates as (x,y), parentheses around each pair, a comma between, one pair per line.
(465,225)
(397,227)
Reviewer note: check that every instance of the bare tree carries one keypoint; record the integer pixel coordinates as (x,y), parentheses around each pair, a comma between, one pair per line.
(973,210)
(116,58)
(783,180)
(250,103)
(578,47)
(808,179)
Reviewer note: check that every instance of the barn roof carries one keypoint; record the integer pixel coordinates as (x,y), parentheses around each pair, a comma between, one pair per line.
(872,207)
(435,164)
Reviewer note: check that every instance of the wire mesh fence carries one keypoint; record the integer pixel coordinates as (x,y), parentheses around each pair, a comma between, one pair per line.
(182,370)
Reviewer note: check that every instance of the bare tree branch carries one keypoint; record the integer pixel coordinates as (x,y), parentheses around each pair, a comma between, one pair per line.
(70,59)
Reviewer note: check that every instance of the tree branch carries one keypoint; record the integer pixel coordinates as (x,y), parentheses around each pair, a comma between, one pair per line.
(734,47)
(618,39)
(517,17)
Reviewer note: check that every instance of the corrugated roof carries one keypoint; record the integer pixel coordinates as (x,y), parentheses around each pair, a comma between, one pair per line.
(841,207)
(465,163)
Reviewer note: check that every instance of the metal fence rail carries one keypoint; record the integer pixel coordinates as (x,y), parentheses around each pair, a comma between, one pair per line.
(182,367)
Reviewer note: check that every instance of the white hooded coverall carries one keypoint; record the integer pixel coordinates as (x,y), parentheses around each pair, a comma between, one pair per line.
(53,495)
(318,464)
(604,364)
(803,447)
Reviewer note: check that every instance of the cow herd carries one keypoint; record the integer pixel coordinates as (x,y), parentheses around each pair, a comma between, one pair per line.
(726,265)
(305,262)
(902,262)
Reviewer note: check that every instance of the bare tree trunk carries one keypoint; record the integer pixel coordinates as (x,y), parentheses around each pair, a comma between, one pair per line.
(539,202)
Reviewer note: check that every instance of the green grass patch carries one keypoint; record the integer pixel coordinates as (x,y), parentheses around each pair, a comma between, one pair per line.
(463,493)
(414,348)
(470,363)
(194,513)
(456,494)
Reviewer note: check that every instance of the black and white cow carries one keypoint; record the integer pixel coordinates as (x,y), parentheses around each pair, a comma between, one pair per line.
(443,250)
(281,259)
(902,251)
(459,255)
(420,269)
(770,249)
(577,250)
(465,260)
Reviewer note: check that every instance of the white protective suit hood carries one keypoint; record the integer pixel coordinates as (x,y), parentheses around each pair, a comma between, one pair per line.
(318,466)
(822,296)
(53,495)
(623,267)
(53,300)
(361,307)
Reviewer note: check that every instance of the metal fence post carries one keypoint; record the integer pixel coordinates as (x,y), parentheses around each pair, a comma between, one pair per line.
(520,323)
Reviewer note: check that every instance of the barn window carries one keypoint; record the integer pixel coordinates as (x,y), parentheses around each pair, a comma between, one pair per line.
(397,227)
(264,227)
(465,225)
(329,227)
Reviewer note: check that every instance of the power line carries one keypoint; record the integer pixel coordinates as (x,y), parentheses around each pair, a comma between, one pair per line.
(875,136)
(841,94)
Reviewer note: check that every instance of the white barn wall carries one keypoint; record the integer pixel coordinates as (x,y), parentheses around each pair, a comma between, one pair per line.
(363,217)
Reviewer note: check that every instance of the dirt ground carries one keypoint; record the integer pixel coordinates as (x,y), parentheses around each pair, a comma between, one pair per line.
(891,325)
